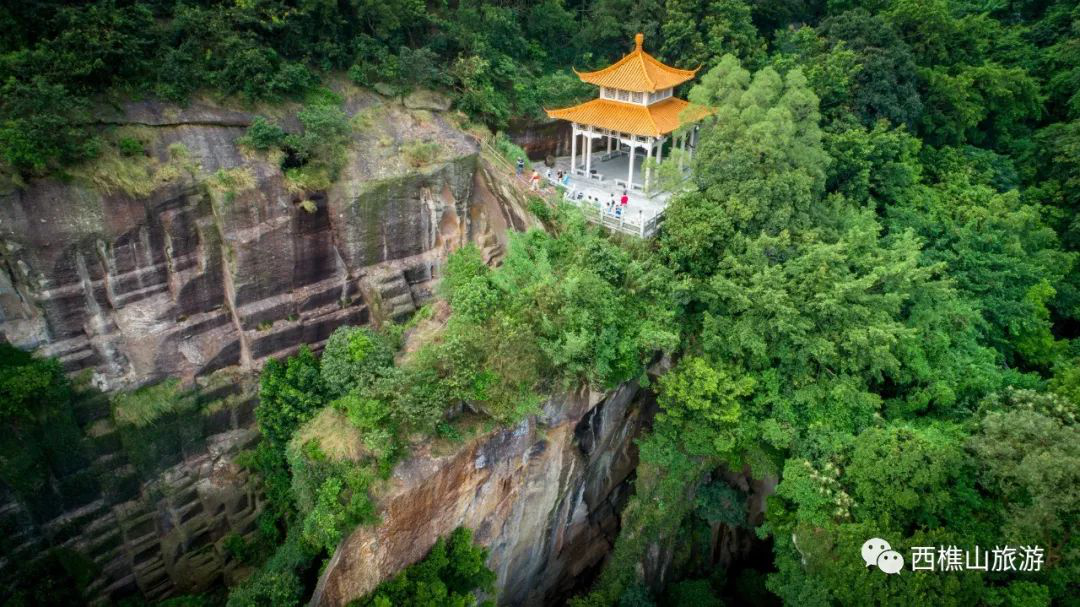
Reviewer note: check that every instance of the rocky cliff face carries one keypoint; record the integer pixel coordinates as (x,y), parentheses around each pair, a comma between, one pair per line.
(209,259)
(147,510)
(544,497)
(200,256)
(540,140)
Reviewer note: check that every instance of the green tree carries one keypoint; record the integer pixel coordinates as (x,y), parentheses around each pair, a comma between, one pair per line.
(451,574)
(1027,445)
(886,83)
(692,592)
(1060,58)
(875,167)
(998,250)
(976,103)
(698,32)
(910,485)
(41,440)
(830,67)
(353,359)
(765,164)
(759,164)
(290,393)
(606,28)
(268,589)
(701,404)
(30,388)
(43,125)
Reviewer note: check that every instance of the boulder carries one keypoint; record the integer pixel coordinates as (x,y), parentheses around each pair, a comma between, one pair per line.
(423,99)
(385,89)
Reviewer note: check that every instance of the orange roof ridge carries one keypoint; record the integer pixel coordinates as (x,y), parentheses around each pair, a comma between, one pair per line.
(638,71)
(639,40)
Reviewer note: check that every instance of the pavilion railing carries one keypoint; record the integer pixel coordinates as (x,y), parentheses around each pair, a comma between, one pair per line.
(637,224)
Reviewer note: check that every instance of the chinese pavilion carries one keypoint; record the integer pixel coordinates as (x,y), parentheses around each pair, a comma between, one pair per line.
(636,109)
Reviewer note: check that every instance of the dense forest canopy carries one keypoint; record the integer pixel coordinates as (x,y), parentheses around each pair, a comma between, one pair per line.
(868,290)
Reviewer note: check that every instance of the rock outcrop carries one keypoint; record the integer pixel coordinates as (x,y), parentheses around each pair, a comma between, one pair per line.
(211,258)
(203,256)
(544,497)
(150,527)
(199,256)
(540,140)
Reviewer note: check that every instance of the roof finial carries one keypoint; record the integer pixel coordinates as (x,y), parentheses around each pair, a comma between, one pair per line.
(638,39)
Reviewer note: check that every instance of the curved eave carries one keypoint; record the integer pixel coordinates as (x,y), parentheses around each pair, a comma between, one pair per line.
(655,120)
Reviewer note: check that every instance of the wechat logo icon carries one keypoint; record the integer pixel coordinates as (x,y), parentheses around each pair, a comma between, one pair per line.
(876,552)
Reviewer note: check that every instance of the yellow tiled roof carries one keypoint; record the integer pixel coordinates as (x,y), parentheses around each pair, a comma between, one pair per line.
(653,120)
(637,71)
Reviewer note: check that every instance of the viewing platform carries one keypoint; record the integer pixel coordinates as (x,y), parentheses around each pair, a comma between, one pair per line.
(604,185)
(623,135)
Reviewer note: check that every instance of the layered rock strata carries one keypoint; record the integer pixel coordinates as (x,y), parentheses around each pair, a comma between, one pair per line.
(544,497)
(209,257)
(156,529)
(199,256)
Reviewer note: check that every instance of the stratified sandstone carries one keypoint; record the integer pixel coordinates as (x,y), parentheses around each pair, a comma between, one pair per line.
(154,530)
(544,497)
(220,263)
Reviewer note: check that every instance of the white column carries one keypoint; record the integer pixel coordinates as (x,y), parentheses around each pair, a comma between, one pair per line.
(630,177)
(573,150)
(609,144)
(682,145)
(660,152)
(588,154)
(648,156)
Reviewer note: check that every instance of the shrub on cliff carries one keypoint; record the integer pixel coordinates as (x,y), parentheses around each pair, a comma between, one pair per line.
(290,393)
(313,157)
(452,575)
(279,582)
(353,359)
(39,436)
(268,589)
(157,424)
(564,310)
(30,388)
(331,492)
(420,153)
(262,135)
